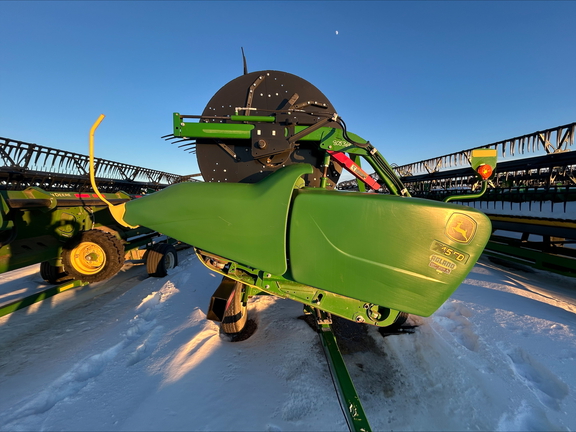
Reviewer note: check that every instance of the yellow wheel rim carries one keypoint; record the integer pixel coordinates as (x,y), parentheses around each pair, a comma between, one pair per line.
(88,258)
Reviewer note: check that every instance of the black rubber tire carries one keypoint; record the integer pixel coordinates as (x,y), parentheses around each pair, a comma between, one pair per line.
(400,320)
(93,256)
(236,313)
(160,258)
(53,274)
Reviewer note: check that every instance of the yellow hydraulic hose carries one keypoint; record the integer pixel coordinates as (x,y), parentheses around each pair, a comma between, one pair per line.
(118,210)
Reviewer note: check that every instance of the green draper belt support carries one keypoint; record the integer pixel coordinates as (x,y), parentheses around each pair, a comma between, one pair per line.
(34,298)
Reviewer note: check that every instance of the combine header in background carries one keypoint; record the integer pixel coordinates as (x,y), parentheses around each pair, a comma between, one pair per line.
(31,165)
(549,174)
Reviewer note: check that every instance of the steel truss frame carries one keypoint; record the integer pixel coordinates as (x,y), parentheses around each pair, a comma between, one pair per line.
(25,165)
(535,142)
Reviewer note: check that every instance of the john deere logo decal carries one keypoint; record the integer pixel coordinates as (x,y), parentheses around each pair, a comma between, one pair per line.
(461,228)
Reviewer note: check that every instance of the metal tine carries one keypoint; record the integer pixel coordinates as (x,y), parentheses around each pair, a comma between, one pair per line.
(63,159)
(54,156)
(38,154)
(14,152)
(166,136)
(55,165)
(523,145)
(69,162)
(17,156)
(565,139)
(438,164)
(187,145)
(46,156)
(182,140)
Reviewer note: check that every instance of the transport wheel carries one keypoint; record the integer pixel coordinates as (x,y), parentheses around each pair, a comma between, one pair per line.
(398,327)
(235,313)
(161,258)
(93,256)
(400,319)
(53,274)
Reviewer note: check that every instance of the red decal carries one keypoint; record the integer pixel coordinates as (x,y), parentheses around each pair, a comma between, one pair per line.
(354,169)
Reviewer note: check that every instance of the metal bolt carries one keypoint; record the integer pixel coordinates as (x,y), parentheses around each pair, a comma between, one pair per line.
(261,144)
(359,319)
(268,275)
(267,286)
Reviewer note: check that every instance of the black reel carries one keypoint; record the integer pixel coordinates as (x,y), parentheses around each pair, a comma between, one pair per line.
(294,102)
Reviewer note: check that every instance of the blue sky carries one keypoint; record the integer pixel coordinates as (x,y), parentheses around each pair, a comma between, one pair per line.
(417,79)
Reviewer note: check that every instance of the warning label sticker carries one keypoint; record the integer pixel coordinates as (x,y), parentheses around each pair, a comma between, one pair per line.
(441,264)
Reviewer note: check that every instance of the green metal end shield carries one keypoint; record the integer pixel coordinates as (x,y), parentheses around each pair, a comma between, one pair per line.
(245,222)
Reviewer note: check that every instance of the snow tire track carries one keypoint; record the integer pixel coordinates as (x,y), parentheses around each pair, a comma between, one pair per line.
(85,371)
(550,389)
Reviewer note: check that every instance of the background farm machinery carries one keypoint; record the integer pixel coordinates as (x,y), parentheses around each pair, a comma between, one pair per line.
(49,214)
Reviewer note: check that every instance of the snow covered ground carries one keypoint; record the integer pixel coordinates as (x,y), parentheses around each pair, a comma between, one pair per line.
(136,353)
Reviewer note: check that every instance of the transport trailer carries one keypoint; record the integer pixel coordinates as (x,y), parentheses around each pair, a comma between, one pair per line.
(49,214)
(73,235)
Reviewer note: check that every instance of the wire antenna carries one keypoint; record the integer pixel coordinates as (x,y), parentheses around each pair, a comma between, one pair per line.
(244,61)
